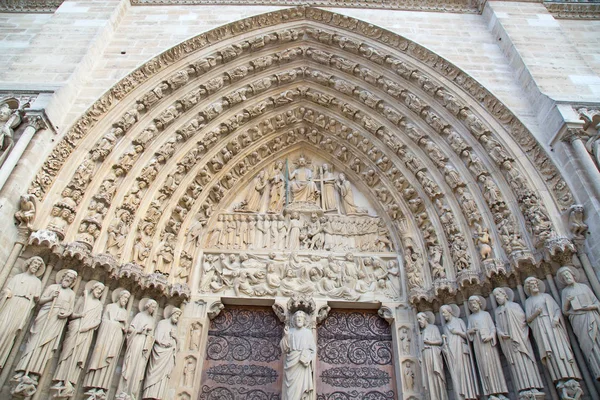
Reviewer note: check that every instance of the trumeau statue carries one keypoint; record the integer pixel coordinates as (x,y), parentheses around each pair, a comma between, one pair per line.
(513,335)
(546,322)
(140,339)
(298,347)
(431,356)
(458,355)
(57,303)
(83,322)
(482,333)
(109,342)
(162,360)
(18,299)
(583,310)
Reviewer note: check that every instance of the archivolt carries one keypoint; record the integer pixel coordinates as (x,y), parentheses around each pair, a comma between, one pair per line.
(433,148)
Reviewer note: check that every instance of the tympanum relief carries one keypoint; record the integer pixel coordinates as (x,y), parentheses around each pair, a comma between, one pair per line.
(300,227)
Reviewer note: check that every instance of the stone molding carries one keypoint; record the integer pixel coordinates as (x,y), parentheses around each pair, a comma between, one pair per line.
(574,10)
(29,6)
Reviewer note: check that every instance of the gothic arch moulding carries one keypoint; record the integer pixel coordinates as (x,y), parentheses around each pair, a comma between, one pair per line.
(460,189)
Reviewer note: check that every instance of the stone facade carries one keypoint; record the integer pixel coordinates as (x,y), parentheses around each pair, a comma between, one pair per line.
(375,198)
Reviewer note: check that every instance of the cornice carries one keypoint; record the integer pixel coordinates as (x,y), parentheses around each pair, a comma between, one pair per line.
(29,6)
(454,6)
(574,10)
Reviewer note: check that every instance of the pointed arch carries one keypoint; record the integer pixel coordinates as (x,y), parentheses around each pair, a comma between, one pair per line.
(454,164)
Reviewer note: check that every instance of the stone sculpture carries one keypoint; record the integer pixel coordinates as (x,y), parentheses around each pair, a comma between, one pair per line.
(57,303)
(140,339)
(18,299)
(302,186)
(256,193)
(482,333)
(329,200)
(277,191)
(513,335)
(583,309)
(546,322)
(76,346)
(27,210)
(431,356)
(458,355)
(298,346)
(347,197)
(109,342)
(10,118)
(162,360)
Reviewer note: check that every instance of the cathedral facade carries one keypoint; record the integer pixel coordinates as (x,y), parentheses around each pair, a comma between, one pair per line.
(207,200)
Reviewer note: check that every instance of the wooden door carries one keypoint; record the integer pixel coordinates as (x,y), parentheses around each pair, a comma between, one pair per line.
(355,357)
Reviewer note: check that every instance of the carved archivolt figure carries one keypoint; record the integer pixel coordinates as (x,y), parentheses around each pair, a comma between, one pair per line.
(27,209)
(482,333)
(84,321)
(108,344)
(57,303)
(458,355)
(162,360)
(582,308)
(298,347)
(545,319)
(431,353)
(18,299)
(513,335)
(140,338)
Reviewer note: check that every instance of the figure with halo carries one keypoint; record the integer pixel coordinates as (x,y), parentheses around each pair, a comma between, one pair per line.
(431,357)
(513,335)
(76,346)
(458,355)
(546,322)
(57,303)
(302,186)
(111,334)
(18,299)
(140,339)
(583,309)
(482,333)
(298,347)
(162,360)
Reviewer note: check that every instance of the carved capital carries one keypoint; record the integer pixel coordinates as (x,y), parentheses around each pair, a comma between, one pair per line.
(36,122)
(215,309)
(573,134)
(387,313)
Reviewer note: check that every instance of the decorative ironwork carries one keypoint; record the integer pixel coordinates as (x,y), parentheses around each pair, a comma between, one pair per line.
(363,377)
(250,375)
(226,393)
(355,338)
(355,353)
(356,395)
(240,335)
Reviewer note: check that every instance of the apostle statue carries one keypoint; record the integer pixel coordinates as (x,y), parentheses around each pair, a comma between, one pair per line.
(431,357)
(57,303)
(18,299)
(513,335)
(162,360)
(329,200)
(108,345)
(298,347)
(347,197)
(302,186)
(277,192)
(582,307)
(83,322)
(482,333)
(140,338)
(458,355)
(546,322)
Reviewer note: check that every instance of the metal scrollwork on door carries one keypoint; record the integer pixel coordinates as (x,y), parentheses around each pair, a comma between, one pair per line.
(243,358)
(355,357)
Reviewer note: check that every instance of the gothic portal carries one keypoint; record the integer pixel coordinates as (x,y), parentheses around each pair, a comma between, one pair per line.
(299,206)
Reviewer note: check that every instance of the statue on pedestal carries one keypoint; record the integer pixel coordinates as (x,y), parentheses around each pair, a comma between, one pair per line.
(18,299)
(513,335)
(583,309)
(298,347)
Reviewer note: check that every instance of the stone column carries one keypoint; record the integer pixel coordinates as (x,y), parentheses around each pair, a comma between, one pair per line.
(22,238)
(404,327)
(34,123)
(574,136)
